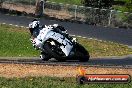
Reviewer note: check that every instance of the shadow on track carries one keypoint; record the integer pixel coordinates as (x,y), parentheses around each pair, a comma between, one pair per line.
(115,61)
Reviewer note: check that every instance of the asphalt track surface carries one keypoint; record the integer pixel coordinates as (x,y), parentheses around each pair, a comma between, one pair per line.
(123,36)
(108,62)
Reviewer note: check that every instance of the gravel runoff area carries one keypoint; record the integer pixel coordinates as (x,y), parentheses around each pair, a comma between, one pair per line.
(24,70)
(31,9)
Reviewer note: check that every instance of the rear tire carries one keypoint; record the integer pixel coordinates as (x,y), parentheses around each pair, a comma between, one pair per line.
(84,59)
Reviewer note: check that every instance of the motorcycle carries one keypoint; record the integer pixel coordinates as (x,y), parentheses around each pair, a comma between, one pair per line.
(61,46)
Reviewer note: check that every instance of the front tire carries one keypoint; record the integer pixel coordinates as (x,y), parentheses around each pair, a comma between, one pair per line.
(82,54)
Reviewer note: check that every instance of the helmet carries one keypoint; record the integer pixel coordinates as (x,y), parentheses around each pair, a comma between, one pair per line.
(34,24)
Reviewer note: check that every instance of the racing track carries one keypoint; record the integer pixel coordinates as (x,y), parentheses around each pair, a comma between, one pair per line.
(109,62)
(123,36)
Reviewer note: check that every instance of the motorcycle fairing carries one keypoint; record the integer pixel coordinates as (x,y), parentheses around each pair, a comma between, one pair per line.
(46,34)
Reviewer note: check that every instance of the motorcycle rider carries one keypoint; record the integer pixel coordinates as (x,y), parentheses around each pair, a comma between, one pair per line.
(35,29)
(41,38)
(61,30)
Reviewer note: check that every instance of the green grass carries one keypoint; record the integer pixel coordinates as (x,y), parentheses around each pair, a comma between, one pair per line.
(50,82)
(75,2)
(103,48)
(14,42)
(126,8)
(79,2)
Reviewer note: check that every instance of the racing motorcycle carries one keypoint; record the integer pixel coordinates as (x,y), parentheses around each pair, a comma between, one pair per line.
(61,46)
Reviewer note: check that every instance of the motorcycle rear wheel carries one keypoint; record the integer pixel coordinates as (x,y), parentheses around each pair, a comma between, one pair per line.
(53,52)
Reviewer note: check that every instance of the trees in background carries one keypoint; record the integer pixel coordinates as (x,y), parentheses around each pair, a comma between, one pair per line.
(98,3)
(1,2)
(125,5)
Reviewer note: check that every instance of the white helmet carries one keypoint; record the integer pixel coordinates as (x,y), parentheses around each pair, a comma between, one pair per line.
(34,24)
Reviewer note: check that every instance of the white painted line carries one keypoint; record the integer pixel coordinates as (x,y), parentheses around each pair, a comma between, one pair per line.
(10,24)
(22,26)
(84,37)
(74,35)
(79,36)
(16,25)
(3,23)
(100,40)
(90,38)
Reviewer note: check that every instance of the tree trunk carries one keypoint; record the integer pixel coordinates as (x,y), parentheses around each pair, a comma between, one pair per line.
(1,2)
(39,7)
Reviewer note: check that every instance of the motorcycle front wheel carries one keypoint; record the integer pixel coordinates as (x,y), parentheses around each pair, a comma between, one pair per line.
(81,53)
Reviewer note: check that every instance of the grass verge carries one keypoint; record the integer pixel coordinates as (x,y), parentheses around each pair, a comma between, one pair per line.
(50,82)
(14,42)
(75,2)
